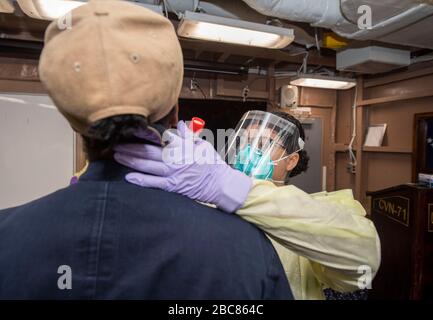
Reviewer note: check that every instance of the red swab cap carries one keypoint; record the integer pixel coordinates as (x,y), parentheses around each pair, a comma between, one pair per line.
(197,124)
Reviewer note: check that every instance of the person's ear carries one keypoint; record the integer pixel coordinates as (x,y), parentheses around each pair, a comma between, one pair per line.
(174,119)
(292,161)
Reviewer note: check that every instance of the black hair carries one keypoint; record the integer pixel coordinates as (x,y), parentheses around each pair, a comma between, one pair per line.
(302,165)
(105,134)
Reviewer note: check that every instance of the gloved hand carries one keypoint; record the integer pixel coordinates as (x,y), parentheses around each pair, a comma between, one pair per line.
(187,165)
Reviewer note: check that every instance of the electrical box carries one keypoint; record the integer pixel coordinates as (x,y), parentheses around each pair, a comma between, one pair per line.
(289,96)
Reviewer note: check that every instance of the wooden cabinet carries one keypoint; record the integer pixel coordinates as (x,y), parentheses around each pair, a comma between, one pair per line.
(403,216)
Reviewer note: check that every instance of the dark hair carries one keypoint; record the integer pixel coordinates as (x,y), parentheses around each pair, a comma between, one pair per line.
(302,165)
(105,134)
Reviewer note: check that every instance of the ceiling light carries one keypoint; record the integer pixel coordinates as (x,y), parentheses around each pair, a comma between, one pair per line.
(212,28)
(48,9)
(54,9)
(324,82)
(6,6)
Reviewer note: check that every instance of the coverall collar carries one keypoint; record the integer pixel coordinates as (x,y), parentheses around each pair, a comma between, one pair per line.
(105,170)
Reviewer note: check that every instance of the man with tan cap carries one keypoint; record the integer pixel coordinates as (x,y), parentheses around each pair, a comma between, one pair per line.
(116,72)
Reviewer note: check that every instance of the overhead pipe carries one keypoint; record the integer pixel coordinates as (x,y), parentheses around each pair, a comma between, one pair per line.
(390,25)
(327,14)
(222,8)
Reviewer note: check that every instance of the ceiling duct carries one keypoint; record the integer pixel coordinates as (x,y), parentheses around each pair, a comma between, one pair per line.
(403,22)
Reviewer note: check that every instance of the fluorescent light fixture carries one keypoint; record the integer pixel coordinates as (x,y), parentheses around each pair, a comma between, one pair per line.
(324,82)
(54,9)
(48,9)
(6,6)
(212,28)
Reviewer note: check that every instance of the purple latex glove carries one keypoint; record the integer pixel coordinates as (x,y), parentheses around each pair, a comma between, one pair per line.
(187,165)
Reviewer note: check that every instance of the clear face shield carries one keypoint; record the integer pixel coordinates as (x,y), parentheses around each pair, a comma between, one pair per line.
(261,140)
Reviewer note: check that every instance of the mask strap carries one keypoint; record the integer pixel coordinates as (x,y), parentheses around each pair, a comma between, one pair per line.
(301,145)
(278,181)
(276,161)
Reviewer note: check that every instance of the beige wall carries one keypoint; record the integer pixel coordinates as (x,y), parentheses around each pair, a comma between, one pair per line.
(391,99)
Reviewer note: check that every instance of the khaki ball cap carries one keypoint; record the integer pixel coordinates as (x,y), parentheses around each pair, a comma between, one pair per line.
(116,58)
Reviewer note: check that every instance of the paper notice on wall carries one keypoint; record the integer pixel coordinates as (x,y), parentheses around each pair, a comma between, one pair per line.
(375,135)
